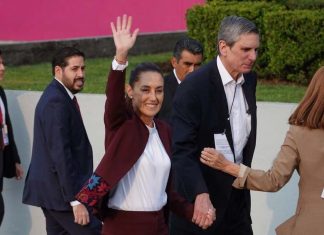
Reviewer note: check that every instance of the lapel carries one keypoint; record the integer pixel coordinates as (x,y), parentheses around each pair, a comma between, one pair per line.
(64,93)
(247,91)
(164,136)
(4,100)
(173,84)
(219,98)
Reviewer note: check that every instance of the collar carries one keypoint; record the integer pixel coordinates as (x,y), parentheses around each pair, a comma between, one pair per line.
(67,90)
(175,74)
(225,76)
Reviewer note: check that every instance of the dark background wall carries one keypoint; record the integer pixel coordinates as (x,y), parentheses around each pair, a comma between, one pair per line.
(36,52)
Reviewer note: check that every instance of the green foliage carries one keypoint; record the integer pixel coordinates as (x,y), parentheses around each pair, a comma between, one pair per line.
(303,4)
(295,43)
(290,4)
(276,91)
(37,76)
(292,45)
(203,23)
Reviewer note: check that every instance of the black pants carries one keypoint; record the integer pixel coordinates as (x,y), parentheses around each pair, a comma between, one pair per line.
(62,223)
(237,220)
(1,186)
(1,208)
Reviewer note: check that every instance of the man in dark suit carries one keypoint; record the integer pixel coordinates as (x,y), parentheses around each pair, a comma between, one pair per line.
(216,107)
(187,57)
(62,155)
(9,159)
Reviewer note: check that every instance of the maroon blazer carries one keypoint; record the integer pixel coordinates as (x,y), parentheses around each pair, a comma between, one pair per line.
(125,139)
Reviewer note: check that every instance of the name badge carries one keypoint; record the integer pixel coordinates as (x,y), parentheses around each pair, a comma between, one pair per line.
(222,146)
(322,196)
(5,135)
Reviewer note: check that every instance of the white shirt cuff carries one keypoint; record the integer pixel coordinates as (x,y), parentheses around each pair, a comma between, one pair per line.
(75,203)
(119,67)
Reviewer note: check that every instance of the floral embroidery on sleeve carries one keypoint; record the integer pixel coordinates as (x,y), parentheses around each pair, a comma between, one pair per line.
(93,191)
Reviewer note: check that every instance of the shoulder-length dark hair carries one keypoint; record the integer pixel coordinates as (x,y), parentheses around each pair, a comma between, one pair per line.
(310,111)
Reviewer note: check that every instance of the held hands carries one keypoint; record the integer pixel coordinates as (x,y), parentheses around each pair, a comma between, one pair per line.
(204,212)
(19,171)
(81,214)
(123,38)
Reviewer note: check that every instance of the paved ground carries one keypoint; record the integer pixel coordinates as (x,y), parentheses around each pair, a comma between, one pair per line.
(268,210)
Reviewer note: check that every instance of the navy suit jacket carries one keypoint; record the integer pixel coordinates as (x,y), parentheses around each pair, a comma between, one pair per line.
(200,111)
(61,159)
(10,153)
(170,86)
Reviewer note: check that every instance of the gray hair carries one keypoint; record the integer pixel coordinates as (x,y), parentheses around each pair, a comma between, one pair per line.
(189,44)
(232,27)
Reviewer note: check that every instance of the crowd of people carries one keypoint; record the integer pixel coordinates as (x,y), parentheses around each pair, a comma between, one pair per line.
(178,149)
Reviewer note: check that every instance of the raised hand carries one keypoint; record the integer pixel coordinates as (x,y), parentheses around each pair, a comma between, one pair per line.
(123,38)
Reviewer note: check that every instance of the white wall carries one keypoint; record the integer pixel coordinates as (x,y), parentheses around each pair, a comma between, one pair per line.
(268,210)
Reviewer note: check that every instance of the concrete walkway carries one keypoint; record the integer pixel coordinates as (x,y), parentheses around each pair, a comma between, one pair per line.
(268,210)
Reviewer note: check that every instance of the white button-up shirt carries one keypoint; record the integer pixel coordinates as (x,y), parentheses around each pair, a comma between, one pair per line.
(143,187)
(239,117)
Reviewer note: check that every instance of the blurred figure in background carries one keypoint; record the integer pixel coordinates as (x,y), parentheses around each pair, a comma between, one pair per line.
(188,55)
(10,165)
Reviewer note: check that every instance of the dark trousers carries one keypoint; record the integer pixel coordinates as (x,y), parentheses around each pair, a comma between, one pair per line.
(119,222)
(236,221)
(1,208)
(62,223)
(1,186)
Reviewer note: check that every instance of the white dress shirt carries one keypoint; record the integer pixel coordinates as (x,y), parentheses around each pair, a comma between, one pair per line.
(72,203)
(143,187)
(240,118)
(175,74)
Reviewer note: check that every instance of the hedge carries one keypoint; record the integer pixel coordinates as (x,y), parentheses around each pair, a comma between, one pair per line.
(292,44)
(290,4)
(203,22)
(295,43)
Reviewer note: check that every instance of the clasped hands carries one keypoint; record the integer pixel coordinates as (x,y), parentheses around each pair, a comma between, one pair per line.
(204,211)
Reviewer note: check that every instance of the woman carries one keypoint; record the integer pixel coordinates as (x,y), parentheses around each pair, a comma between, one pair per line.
(303,150)
(10,162)
(134,173)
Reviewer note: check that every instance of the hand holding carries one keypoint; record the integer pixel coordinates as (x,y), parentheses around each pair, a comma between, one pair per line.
(81,214)
(204,212)
(19,171)
(123,38)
